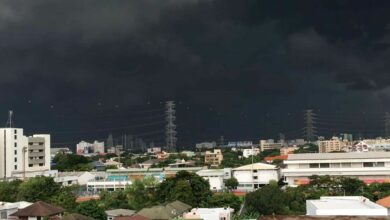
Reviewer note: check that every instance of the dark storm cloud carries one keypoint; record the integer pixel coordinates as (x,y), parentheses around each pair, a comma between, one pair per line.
(225,53)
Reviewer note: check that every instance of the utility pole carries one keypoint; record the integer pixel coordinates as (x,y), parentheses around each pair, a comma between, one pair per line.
(387,125)
(310,129)
(170,128)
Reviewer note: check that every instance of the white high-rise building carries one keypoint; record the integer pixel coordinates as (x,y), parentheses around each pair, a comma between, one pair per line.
(22,156)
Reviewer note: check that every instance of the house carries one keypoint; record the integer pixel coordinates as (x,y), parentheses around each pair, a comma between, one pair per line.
(39,211)
(149,163)
(79,178)
(8,208)
(385,202)
(111,214)
(344,206)
(113,163)
(133,217)
(271,159)
(182,163)
(160,212)
(216,177)
(369,167)
(252,176)
(250,152)
(210,214)
(98,166)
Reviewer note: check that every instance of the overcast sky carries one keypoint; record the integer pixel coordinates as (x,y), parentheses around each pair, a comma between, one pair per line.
(242,69)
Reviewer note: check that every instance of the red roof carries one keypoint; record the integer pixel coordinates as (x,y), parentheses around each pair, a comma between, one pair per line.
(133,217)
(385,202)
(280,157)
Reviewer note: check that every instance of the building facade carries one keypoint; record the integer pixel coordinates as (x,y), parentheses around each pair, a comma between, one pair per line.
(331,145)
(216,177)
(213,158)
(369,166)
(250,152)
(85,148)
(269,144)
(22,156)
(253,176)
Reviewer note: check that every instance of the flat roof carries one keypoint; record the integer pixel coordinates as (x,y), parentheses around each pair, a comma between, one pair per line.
(345,202)
(330,156)
(256,166)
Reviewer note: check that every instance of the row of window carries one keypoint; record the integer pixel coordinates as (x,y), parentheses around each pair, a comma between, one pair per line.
(346,165)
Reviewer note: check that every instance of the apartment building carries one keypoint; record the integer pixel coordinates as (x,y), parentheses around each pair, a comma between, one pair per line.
(86,148)
(249,152)
(269,144)
(216,177)
(213,158)
(369,166)
(23,156)
(331,145)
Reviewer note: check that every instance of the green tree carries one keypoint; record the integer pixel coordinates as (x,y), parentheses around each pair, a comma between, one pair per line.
(197,189)
(352,186)
(9,190)
(114,200)
(225,200)
(39,188)
(92,209)
(231,183)
(267,201)
(71,162)
(66,198)
(141,194)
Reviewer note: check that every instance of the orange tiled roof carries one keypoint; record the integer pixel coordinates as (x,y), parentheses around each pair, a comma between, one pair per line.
(281,157)
(385,202)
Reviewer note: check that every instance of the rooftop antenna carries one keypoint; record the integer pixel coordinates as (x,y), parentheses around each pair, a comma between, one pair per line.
(9,121)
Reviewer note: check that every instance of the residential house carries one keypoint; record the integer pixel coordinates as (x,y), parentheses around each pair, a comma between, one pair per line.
(112,214)
(216,177)
(8,208)
(210,214)
(252,176)
(148,164)
(213,158)
(39,211)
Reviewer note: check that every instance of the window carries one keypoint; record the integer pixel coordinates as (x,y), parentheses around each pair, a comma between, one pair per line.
(15,137)
(3,215)
(16,152)
(16,167)
(380,164)
(314,165)
(16,144)
(15,131)
(16,159)
(255,177)
(41,164)
(346,165)
(70,182)
(324,165)
(255,171)
(335,165)
(368,164)
(30,165)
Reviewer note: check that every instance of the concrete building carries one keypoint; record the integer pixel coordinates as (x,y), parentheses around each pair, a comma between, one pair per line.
(365,145)
(154,150)
(269,144)
(333,144)
(9,208)
(240,144)
(86,148)
(249,152)
(344,206)
(216,177)
(206,145)
(213,158)
(369,167)
(210,214)
(253,176)
(21,155)
(79,178)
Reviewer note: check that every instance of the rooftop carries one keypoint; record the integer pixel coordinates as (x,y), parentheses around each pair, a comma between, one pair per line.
(39,209)
(332,156)
(385,202)
(344,202)
(120,212)
(256,166)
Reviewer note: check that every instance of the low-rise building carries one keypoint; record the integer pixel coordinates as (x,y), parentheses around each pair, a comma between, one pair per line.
(9,208)
(148,164)
(154,150)
(269,144)
(240,144)
(253,176)
(87,149)
(39,210)
(288,150)
(271,159)
(213,158)
(216,177)
(385,202)
(210,213)
(378,144)
(369,166)
(112,214)
(344,206)
(206,145)
(112,162)
(332,145)
(250,152)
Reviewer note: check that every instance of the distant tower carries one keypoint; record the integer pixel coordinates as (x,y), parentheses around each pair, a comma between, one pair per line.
(310,129)
(9,121)
(387,125)
(222,141)
(170,128)
(110,141)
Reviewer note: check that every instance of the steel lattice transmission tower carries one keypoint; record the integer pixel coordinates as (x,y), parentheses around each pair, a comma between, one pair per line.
(310,128)
(387,125)
(170,128)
